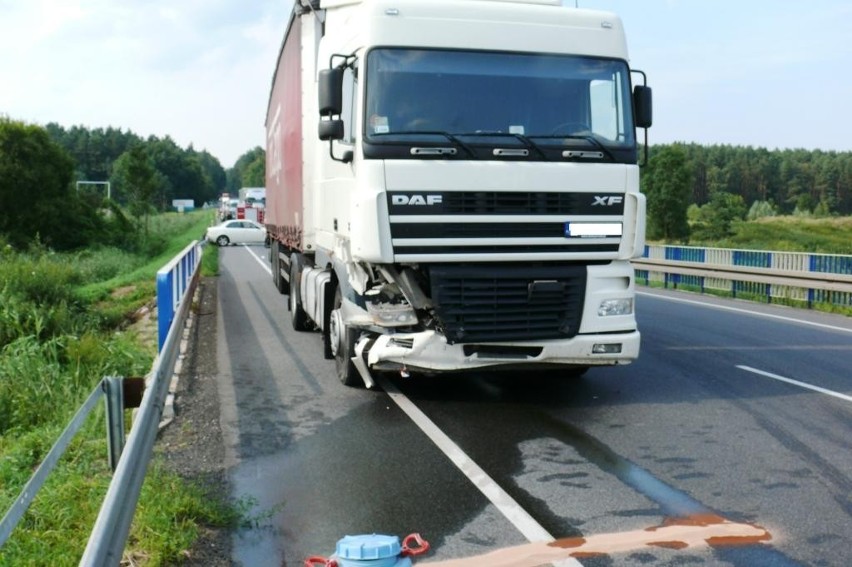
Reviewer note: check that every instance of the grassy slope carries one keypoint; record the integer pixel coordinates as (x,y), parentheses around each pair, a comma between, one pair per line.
(57,526)
(791,234)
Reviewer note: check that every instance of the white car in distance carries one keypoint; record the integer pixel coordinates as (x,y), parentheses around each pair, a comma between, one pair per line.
(236,231)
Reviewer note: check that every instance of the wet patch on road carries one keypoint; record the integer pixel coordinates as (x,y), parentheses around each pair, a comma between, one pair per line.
(675,534)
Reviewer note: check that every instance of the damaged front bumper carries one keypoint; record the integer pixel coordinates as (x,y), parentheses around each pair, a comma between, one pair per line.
(428,351)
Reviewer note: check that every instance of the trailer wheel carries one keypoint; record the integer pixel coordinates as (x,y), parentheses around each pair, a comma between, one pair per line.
(342,341)
(275,264)
(298,317)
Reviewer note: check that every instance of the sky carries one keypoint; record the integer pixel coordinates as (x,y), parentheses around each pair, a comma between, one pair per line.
(764,73)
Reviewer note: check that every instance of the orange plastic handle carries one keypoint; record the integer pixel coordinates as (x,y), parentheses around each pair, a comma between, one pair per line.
(315,560)
(409,551)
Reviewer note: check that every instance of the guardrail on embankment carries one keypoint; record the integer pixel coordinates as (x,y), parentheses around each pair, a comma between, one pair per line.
(176,282)
(796,277)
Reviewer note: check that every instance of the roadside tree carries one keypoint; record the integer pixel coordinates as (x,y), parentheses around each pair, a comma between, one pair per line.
(667,183)
(139,182)
(37,202)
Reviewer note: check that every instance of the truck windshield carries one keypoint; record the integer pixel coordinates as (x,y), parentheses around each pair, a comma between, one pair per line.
(473,93)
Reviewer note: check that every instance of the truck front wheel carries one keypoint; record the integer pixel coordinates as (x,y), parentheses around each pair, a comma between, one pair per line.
(342,341)
(298,317)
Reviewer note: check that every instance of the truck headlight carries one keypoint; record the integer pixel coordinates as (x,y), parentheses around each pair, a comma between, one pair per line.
(392,314)
(611,307)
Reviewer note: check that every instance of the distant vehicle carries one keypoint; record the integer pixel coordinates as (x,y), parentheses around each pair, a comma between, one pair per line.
(228,207)
(253,195)
(236,232)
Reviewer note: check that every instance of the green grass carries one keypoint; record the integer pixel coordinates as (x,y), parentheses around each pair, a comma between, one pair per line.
(210,261)
(171,515)
(183,229)
(65,322)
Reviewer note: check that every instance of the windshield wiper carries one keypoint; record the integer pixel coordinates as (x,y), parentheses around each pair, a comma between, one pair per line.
(497,133)
(447,135)
(603,150)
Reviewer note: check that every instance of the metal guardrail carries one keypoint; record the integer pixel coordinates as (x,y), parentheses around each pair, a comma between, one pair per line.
(109,536)
(797,276)
(111,389)
(176,282)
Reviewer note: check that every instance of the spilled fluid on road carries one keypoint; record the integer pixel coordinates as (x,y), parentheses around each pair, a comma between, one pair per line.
(676,533)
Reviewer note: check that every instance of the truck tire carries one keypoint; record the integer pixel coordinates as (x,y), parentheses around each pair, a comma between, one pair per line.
(298,317)
(275,264)
(342,341)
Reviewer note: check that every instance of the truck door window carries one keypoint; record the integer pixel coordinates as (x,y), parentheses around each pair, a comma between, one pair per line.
(606,102)
(349,96)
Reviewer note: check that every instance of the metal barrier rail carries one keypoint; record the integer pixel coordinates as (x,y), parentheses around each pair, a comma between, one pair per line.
(111,389)
(798,276)
(176,283)
(109,536)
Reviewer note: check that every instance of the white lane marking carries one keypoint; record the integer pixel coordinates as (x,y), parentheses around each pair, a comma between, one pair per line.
(513,511)
(260,260)
(746,311)
(764,348)
(797,383)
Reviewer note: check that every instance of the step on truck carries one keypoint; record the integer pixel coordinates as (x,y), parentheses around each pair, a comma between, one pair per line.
(454,184)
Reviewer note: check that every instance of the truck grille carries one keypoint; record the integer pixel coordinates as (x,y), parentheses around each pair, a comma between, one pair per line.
(490,303)
(427,224)
(503,203)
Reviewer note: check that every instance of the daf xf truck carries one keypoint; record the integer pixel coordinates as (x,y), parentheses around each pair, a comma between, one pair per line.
(454,184)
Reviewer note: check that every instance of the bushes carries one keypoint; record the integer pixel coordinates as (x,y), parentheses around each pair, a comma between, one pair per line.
(102,264)
(57,340)
(36,298)
(44,382)
(45,373)
(32,382)
(63,326)
(794,234)
(53,349)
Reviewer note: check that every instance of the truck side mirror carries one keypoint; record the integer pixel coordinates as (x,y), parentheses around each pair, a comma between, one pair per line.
(330,98)
(330,91)
(642,106)
(331,130)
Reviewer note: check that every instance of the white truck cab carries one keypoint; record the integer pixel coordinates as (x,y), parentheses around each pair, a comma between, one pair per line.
(453,184)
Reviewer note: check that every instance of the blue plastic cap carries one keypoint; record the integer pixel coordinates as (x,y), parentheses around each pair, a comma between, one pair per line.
(369,547)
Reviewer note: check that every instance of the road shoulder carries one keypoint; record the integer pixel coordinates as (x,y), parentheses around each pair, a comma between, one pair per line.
(191,445)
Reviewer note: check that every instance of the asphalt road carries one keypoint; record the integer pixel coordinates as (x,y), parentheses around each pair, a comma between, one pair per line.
(736,417)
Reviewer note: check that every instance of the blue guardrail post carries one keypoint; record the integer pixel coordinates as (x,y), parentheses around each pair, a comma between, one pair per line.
(165,306)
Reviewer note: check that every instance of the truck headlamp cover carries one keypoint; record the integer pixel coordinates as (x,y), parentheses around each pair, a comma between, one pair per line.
(606,348)
(612,307)
(392,314)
